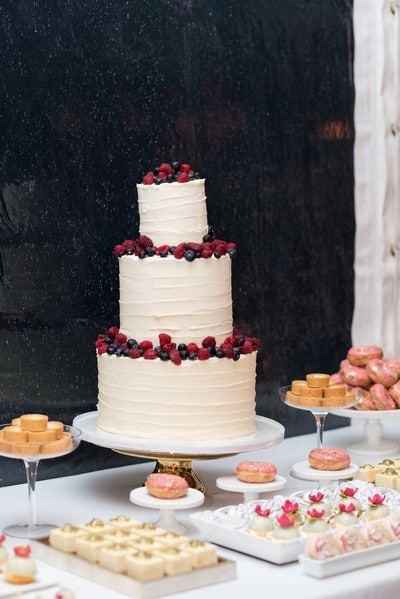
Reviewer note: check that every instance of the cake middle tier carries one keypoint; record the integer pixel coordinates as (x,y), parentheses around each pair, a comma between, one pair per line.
(187,300)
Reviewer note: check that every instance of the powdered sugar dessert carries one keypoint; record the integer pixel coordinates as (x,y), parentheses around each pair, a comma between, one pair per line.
(174,368)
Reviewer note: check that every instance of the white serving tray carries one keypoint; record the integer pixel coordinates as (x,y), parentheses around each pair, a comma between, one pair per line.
(12,590)
(226,526)
(224,570)
(349,561)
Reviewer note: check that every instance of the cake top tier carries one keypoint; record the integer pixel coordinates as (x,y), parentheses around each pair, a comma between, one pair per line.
(172,204)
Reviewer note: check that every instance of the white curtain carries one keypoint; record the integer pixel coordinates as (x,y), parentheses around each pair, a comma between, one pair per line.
(377,174)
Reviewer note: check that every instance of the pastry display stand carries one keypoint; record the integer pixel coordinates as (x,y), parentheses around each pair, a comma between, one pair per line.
(373,442)
(319,413)
(303,471)
(175,457)
(167,507)
(251,491)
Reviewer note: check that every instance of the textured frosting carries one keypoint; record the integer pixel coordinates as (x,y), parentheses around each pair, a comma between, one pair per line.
(187,300)
(173,213)
(199,400)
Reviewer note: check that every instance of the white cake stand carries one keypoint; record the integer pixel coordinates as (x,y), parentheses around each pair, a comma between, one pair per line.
(175,457)
(251,491)
(373,442)
(167,507)
(303,471)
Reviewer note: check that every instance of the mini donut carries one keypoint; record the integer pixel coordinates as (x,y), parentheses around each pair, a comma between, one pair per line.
(328,458)
(360,355)
(354,375)
(317,379)
(256,472)
(394,391)
(166,486)
(379,372)
(382,398)
(393,364)
(363,399)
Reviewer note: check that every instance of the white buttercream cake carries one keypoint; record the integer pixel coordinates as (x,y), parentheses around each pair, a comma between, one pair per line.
(174,368)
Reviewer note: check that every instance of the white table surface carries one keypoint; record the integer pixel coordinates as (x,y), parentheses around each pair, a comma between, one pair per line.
(104,494)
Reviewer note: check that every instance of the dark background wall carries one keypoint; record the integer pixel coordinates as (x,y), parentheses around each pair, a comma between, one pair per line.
(257,96)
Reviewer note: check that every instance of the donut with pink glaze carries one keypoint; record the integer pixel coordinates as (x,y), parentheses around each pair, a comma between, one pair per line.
(360,355)
(328,458)
(335,379)
(382,398)
(363,399)
(354,375)
(393,364)
(380,372)
(256,472)
(394,391)
(166,486)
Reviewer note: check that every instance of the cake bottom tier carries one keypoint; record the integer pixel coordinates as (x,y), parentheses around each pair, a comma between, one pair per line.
(197,400)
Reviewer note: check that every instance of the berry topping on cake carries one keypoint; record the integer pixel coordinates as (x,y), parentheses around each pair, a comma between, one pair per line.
(114,342)
(22,550)
(170,172)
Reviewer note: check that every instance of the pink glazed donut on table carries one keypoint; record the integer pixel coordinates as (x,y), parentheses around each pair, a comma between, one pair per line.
(256,472)
(363,397)
(166,486)
(382,398)
(360,355)
(380,372)
(354,375)
(328,458)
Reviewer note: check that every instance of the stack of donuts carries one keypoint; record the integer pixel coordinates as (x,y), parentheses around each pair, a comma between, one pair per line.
(372,378)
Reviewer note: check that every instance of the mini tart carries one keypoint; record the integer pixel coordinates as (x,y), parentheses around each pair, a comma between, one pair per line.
(388,478)
(57,427)
(19,570)
(292,398)
(334,391)
(15,434)
(317,379)
(311,392)
(58,446)
(26,449)
(333,402)
(34,422)
(295,387)
(42,436)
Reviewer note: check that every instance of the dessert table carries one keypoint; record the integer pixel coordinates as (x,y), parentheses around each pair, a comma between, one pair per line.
(105,494)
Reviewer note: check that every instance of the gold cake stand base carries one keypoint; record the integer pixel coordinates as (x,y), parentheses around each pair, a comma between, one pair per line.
(178,464)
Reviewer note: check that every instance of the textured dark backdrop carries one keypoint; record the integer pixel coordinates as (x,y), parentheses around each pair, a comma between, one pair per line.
(257,95)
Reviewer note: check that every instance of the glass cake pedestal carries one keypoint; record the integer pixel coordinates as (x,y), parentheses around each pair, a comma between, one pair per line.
(175,457)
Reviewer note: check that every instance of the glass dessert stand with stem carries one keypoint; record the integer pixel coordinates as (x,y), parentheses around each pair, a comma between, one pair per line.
(175,457)
(32,529)
(303,470)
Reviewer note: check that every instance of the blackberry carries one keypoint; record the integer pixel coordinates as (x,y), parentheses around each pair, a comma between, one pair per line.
(190,255)
(208,238)
(156,170)
(132,344)
(181,347)
(112,348)
(212,350)
(129,251)
(198,254)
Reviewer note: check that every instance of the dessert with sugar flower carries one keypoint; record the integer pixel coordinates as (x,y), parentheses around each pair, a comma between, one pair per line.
(164,372)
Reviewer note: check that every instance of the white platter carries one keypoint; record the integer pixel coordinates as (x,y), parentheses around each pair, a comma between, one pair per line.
(268,433)
(349,561)
(226,526)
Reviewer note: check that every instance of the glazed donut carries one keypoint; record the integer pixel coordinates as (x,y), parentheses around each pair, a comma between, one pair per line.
(363,399)
(328,458)
(354,375)
(393,364)
(256,472)
(362,354)
(380,372)
(382,398)
(335,379)
(166,486)
(395,393)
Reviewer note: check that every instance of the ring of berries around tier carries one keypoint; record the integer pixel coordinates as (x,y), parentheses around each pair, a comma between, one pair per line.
(170,172)
(143,247)
(113,342)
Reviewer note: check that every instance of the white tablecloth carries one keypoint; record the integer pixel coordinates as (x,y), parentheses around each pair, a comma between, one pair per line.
(105,494)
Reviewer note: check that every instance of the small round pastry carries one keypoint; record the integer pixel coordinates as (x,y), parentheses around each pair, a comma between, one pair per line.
(381,397)
(323,546)
(376,508)
(166,486)
(21,568)
(34,422)
(346,516)
(318,503)
(350,539)
(328,458)
(256,472)
(379,372)
(285,529)
(315,522)
(317,379)
(354,375)
(260,523)
(360,355)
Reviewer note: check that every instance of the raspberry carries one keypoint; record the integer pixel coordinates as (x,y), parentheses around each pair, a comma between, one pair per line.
(119,250)
(179,251)
(227,349)
(183,178)
(150,354)
(204,354)
(168,347)
(192,348)
(146,345)
(255,343)
(195,247)
(144,241)
(166,168)
(148,179)
(164,338)
(221,249)
(102,348)
(112,332)
(120,338)
(230,341)
(206,253)
(175,356)
(134,353)
(128,243)
(162,248)
(185,168)
(209,342)
(246,348)
(231,246)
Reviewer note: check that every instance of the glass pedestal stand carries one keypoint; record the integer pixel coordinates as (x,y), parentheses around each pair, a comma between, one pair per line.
(175,457)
